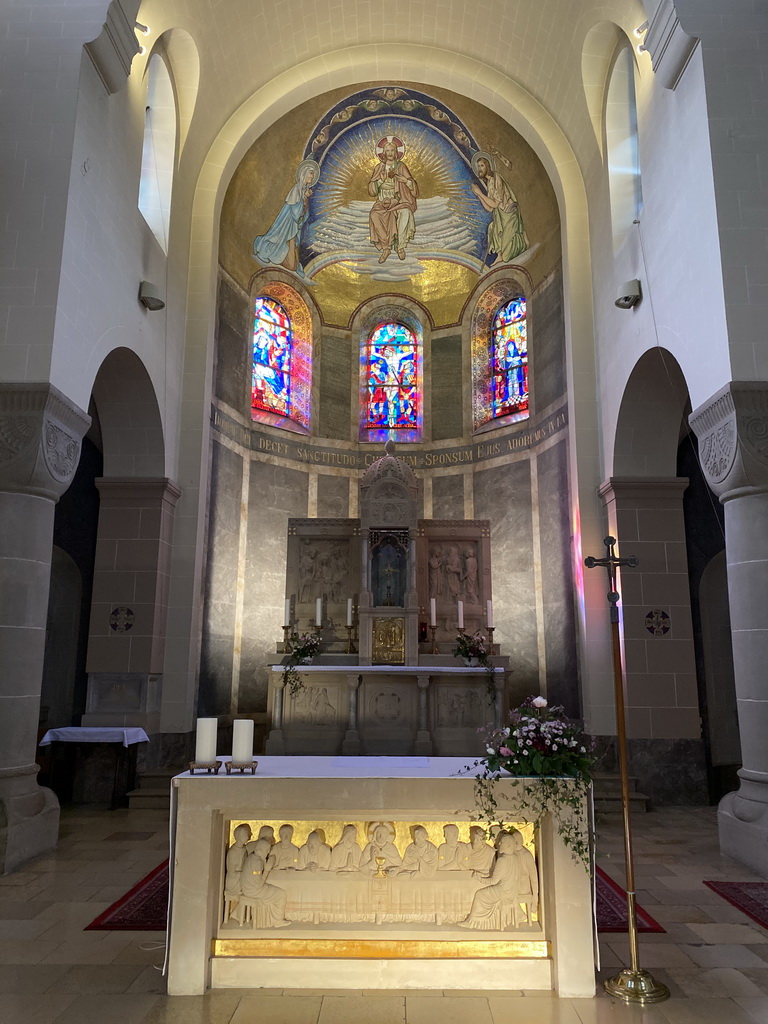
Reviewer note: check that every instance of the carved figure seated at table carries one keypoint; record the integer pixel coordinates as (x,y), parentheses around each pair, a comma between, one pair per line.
(314,855)
(528,884)
(380,845)
(420,857)
(263,904)
(481,854)
(452,855)
(494,906)
(268,833)
(284,855)
(235,859)
(346,854)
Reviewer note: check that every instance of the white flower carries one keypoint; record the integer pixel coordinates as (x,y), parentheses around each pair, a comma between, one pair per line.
(539,702)
(490,750)
(554,746)
(583,750)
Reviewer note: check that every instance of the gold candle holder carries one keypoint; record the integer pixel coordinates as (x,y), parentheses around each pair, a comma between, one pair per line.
(287,639)
(350,645)
(490,639)
(433,630)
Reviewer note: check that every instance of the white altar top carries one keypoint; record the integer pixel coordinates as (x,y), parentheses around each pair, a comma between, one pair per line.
(402,670)
(340,767)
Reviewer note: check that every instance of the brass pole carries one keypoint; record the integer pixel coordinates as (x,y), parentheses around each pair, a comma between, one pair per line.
(633,984)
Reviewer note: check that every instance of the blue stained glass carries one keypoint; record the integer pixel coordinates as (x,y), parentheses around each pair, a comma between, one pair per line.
(392,397)
(509,360)
(271,385)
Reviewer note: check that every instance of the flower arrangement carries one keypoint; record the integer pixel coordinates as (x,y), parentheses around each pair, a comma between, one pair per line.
(471,646)
(539,743)
(303,647)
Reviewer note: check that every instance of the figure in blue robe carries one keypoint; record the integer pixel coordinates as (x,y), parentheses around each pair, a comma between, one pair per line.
(280,245)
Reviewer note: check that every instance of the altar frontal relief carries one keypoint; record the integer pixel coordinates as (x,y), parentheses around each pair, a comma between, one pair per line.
(380,880)
(389,189)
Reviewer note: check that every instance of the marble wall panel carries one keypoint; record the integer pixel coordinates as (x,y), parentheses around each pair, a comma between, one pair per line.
(503,495)
(448,497)
(557,579)
(332,496)
(275,495)
(546,347)
(232,345)
(446,390)
(335,368)
(220,584)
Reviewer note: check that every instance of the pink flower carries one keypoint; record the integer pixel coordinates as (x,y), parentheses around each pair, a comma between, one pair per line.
(505,751)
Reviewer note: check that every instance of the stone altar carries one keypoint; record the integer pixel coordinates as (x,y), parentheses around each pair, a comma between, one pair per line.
(328,872)
(389,683)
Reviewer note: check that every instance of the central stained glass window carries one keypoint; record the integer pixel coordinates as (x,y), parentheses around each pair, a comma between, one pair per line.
(271,385)
(509,360)
(392,400)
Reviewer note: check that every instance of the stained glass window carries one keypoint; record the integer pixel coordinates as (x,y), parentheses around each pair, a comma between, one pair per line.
(509,360)
(391,397)
(272,342)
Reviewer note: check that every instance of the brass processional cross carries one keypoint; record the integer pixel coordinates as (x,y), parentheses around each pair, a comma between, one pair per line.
(633,984)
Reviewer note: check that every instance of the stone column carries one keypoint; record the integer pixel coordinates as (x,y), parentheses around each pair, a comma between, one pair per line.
(275,743)
(423,745)
(351,742)
(732,428)
(40,436)
(126,642)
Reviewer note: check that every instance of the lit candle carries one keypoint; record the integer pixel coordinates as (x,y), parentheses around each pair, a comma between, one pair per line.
(489,614)
(242,741)
(432,612)
(319,611)
(461,614)
(287,613)
(349,611)
(205,740)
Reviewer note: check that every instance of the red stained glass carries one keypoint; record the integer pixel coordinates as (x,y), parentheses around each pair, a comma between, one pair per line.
(272,344)
(509,360)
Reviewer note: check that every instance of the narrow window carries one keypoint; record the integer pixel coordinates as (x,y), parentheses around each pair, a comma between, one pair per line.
(272,344)
(391,396)
(509,361)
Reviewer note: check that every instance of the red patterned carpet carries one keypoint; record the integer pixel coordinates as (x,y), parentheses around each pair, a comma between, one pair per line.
(751,898)
(144,907)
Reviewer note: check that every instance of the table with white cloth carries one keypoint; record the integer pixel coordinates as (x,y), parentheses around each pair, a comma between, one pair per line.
(366,928)
(124,739)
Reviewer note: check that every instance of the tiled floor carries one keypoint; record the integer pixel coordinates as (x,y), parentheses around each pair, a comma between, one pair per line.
(713,958)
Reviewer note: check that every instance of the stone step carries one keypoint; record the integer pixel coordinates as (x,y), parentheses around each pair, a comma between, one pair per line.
(610,783)
(638,804)
(153,789)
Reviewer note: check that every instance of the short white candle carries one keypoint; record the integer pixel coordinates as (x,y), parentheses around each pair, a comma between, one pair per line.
(287,613)
(432,612)
(461,614)
(205,740)
(242,741)
(489,614)
(319,611)
(349,611)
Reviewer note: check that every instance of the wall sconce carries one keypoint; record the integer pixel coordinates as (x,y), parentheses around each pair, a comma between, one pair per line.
(630,295)
(151,296)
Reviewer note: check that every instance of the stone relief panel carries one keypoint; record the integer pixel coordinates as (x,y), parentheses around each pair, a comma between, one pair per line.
(315,705)
(323,570)
(440,874)
(461,708)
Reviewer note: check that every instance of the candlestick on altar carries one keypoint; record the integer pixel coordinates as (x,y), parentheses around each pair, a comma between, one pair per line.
(489,614)
(349,613)
(287,639)
(460,613)
(350,644)
(433,630)
(319,611)
(632,984)
(432,612)
(490,640)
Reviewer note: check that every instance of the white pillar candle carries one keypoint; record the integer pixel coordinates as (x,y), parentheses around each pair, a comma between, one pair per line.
(205,740)
(242,741)
(319,611)
(349,611)
(287,612)
(489,614)
(461,614)
(432,612)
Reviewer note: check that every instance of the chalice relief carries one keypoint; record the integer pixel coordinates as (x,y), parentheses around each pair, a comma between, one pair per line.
(391,221)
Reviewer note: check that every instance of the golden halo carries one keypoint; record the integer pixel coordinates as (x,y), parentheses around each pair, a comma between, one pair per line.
(390,138)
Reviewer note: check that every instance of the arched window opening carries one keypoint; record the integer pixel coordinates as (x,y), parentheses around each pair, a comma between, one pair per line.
(391,377)
(499,357)
(281,358)
(622,147)
(272,347)
(509,360)
(159,151)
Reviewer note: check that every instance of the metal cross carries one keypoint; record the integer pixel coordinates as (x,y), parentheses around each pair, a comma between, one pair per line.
(611,563)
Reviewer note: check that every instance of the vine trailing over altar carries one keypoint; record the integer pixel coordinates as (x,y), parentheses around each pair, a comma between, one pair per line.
(303,649)
(553,760)
(473,649)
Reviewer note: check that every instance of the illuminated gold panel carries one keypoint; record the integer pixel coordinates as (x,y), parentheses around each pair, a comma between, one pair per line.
(388,641)
(374,949)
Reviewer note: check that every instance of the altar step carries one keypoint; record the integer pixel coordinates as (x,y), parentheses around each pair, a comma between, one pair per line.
(608,795)
(153,790)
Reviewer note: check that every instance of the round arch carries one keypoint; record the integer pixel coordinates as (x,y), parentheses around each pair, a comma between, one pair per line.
(129,415)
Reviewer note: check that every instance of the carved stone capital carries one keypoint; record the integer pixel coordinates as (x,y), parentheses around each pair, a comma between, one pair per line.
(669,45)
(732,429)
(41,433)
